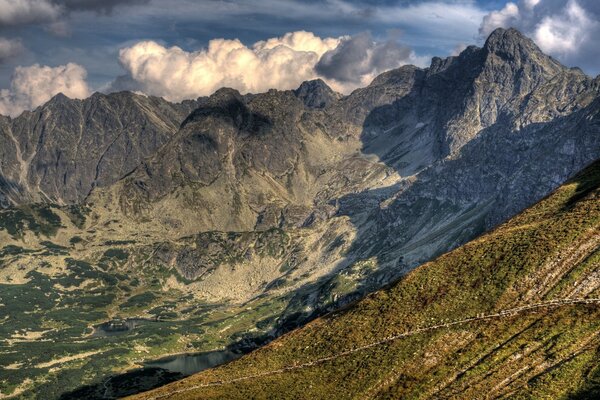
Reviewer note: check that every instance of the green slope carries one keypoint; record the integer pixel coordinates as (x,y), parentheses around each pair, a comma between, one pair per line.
(491,319)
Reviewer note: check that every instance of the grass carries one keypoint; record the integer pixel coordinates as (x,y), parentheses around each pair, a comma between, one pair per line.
(62,306)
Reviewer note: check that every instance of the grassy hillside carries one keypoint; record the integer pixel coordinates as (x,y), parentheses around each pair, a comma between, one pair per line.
(460,342)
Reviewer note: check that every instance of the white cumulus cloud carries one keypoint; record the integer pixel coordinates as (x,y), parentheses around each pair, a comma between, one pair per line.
(565,32)
(34,85)
(299,41)
(176,74)
(505,17)
(281,63)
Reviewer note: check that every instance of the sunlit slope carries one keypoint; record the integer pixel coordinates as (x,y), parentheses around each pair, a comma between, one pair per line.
(502,316)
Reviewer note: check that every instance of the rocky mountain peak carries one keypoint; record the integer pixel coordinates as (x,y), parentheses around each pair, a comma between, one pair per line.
(225,102)
(399,76)
(512,46)
(224,97)
(59,97)
(502,38)
(316,94)
(59,101)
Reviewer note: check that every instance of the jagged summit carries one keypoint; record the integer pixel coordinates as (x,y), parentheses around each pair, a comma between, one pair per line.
(316,94)
(512,46)
(398,76)
(501,38)
(59,97)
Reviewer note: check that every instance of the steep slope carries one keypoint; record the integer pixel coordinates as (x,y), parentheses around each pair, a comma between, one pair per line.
(515,313)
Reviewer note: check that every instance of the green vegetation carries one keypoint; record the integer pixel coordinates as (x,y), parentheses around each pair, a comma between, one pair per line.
(46,323)
(64,291)
(39,219)
(78,214)
(115,254)
(140,300)
(550,251)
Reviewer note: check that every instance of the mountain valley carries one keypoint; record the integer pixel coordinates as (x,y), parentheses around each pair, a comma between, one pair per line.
(221,223)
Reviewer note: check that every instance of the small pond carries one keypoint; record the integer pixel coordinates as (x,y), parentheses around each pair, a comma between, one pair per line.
(188,364)
(154,374)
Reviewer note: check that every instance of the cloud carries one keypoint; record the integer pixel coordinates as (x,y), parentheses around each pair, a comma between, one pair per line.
(102,6)
(505,17)
(59,28)
(53,12)
(299,41)
(434,22)
(10,48)
(175,74)
(21,12)
(566,30)
(33,86)
(358,59)
(458,49)
(281,63)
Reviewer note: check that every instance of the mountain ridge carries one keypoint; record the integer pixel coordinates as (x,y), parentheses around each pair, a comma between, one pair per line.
(237,218)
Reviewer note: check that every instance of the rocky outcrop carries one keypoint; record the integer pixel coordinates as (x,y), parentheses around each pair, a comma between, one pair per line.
(316,94)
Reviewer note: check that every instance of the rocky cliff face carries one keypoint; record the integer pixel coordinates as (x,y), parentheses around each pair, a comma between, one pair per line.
(62,150)
(418,162)
(513,314)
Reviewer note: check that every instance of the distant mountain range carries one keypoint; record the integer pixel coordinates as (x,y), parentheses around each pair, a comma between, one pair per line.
(286,203)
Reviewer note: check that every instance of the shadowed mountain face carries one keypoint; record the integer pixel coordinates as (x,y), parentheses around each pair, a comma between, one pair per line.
(285,203)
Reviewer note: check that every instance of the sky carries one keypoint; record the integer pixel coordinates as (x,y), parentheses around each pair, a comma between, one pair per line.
(181,49)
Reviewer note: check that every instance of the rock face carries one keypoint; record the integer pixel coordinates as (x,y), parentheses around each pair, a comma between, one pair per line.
(513,314)
(316,94)
(61,151)
(420,161)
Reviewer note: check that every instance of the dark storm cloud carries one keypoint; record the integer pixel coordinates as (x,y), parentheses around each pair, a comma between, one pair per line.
(28,12)
(102,6)
(360,55)
(25,12)
(124,83)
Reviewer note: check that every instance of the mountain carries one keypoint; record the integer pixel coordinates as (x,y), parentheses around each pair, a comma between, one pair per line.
(512,314)
(62,150)
(226,221)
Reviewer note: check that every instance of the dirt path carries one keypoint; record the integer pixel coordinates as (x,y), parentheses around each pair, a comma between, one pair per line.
(499,314)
